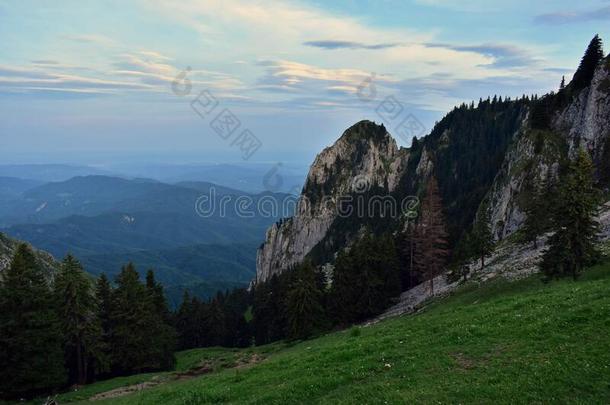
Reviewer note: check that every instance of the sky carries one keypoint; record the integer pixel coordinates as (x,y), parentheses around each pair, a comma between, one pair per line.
(95,82)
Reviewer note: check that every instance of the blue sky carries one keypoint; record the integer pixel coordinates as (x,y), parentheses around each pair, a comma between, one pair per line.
(91,82)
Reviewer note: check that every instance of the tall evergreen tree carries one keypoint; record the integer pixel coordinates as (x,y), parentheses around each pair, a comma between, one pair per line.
(269,316)
(303,303)
(591,59)
(31,352)
(482,241)
(135,325)
(103,301)
(165,335)
(77,313)
(572,247)
(407,242)
(431,246)
(536,213)
(461,255)
(366,277)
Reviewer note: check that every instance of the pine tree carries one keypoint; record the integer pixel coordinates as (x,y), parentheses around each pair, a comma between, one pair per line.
(135,325)
(572,247)
(591,59)
(481,237)
(460,257)
(365,279)
(407,243)
(31,352)
(431,246)
(79,322)
(562,85)
(165,335)
(103,301)
(184,322)
(536,211)
(304,303)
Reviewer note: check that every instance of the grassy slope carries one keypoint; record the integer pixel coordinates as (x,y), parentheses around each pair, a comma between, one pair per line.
(504,342)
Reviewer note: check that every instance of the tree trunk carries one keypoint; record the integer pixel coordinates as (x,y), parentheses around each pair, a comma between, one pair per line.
(411,264)
(79,364)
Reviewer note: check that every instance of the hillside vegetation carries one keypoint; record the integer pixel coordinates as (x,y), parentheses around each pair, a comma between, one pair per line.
(517,342)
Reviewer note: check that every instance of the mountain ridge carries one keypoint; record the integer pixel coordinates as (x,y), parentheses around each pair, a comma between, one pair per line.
(485,158)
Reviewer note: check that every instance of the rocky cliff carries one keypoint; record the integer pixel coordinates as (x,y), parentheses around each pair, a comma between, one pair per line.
(8,247)
(536,154)
(365,156)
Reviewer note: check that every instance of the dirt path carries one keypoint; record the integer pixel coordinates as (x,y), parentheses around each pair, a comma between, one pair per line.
(205,367)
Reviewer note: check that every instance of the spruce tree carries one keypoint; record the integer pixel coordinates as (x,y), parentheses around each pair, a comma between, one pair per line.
(136,325)
(304,303)
(536,211)
(431,246)
(165,335)
(103,301)
(482,241)
(407,243)
(31,351)
(462,253)
(366,277)
(184,322)
(591,59)
(77,313)
(572,246)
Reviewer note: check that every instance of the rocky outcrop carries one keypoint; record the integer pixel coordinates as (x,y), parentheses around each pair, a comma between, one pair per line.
(8,247)
(365,156)
(523,166)
(585,122)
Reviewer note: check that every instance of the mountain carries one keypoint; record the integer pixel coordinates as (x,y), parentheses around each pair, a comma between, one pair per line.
(83,195)
(49,172)
(366,153)
(485,157)
(190,233)
(249,177)
(185,265)
(14,187)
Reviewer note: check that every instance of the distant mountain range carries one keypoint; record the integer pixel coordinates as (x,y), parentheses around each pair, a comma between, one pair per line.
(249,177)
(109,221)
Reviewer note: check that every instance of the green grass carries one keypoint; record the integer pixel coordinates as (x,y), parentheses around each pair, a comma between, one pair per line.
(519,342)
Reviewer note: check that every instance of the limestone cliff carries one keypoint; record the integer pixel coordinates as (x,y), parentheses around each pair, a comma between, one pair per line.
(8,247)
(536,154)
(365,156)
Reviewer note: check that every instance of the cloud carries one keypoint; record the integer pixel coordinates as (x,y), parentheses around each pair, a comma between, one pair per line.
(567,17)
(91,39)
(57,78)
(503,56)
(45,62)
(332,44)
